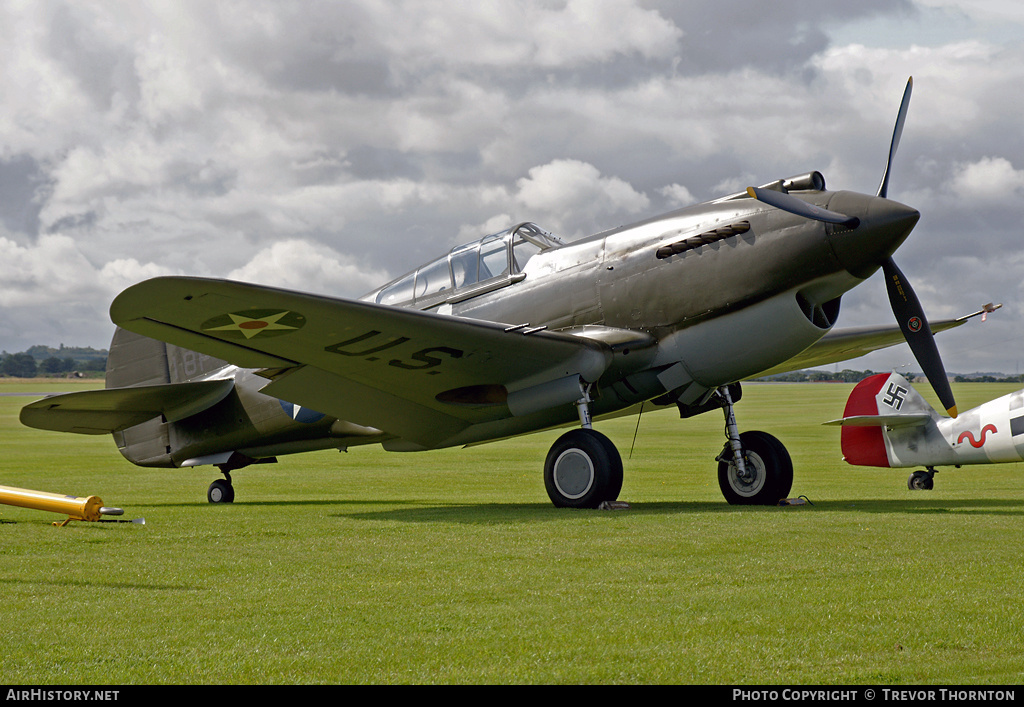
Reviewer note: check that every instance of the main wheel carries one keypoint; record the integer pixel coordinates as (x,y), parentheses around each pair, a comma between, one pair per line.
(769,471)
(582,470)
(921,481)
(220,491)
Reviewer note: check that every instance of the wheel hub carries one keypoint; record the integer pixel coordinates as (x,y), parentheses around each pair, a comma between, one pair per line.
(752,481)
(573,473)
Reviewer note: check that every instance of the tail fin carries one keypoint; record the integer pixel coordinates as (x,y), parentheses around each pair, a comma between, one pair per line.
(136,360)
(877,402)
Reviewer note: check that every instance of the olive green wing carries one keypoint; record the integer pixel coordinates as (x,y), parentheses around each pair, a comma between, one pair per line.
(416,375)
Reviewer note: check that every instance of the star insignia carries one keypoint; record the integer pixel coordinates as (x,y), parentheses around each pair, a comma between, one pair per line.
(251,323)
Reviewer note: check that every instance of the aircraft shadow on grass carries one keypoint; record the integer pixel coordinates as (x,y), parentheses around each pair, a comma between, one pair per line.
(501,513)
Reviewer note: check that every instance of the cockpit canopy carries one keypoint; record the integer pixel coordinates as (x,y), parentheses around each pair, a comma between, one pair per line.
(467,270)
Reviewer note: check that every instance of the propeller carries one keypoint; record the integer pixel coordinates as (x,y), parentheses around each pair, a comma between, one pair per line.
(897,133)
(918,334)
(905,304)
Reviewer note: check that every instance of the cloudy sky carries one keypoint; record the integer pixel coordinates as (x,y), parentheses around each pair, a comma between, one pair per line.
(330,146)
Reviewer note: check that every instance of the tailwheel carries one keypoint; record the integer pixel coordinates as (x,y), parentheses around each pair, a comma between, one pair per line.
(583,469)
(221,491)
(767,473)
(922,480)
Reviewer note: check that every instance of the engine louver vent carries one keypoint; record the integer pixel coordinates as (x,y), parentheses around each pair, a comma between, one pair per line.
(702,239)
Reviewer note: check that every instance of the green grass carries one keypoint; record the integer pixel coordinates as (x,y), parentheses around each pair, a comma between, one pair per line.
(452,567)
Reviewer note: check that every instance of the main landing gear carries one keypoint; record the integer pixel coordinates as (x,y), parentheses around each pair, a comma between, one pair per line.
(754,468)
(922,480)
(583,469)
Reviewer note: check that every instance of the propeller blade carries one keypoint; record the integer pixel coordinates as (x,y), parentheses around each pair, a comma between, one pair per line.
(918,334)
(791,204)
(897,133)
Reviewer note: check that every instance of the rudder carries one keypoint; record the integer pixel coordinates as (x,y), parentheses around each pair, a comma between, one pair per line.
(864,446)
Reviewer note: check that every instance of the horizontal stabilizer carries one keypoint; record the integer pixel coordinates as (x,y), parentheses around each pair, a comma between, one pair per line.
(115,409)
(908,420)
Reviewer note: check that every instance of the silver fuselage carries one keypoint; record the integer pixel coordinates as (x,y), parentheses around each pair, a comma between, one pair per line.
(680,322)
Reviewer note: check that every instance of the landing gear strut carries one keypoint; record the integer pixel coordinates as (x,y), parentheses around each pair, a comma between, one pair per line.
(754,468)
(583,469)
(922,480)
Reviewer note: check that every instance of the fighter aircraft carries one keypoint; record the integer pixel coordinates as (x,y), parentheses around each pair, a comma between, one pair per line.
(513,333)
(888,424)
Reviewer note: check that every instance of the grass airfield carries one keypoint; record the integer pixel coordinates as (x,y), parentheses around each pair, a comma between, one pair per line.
(453,567)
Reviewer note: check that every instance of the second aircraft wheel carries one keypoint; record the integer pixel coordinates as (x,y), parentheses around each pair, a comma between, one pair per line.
(769,471)
(921,481)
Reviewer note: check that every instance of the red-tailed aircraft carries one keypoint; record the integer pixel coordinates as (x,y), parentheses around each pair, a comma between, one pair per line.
(510,334)
(888,424)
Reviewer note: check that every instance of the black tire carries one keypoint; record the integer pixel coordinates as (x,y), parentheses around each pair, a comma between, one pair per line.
(583,469)
(221,491)
(921,481)
(771,468)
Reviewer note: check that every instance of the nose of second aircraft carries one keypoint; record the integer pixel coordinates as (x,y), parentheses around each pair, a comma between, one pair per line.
(884,225)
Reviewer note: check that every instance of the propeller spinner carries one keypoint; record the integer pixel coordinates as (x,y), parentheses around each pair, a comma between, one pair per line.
(905,304)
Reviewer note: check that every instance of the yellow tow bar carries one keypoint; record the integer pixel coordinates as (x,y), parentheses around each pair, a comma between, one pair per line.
(88,508)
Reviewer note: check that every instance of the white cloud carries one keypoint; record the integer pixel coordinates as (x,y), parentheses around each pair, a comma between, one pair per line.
(55,271)
(678,195)
(309,267)
(505,34)
(119,274)
(564,185)
(47,271)
(990,179)
(50,292)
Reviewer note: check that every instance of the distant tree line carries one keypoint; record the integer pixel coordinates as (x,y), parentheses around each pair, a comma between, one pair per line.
(48,361)
(849,376)
(988,378)
(814,376)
